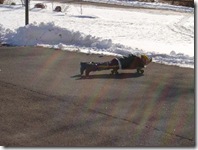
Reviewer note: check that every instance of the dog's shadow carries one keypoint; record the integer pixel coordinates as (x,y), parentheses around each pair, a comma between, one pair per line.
(108,76)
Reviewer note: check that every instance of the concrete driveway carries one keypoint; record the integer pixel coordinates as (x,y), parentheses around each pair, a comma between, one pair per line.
(44,102)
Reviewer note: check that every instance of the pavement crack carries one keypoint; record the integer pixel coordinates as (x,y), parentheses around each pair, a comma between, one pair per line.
(149,127)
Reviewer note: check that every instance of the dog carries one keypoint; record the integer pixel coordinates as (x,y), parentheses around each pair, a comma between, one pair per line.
(129,62)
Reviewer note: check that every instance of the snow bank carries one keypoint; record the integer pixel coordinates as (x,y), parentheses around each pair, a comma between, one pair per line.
(49,35)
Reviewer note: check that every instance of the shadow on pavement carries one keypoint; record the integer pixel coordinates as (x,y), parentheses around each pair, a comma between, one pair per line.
(108,76)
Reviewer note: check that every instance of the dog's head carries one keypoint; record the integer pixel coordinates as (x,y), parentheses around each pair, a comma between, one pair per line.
(146,60)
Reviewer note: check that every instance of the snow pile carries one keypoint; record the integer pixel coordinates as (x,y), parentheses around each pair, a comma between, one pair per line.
(53,36)
(2,33)
(49,35)
(34,34)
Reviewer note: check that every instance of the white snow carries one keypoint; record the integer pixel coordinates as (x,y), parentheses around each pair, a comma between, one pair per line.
(154,5)
(166,36)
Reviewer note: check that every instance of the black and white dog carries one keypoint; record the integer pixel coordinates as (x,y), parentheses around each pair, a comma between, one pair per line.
(130,62)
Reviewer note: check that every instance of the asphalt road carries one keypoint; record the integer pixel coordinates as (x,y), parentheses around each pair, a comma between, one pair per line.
(44,102)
